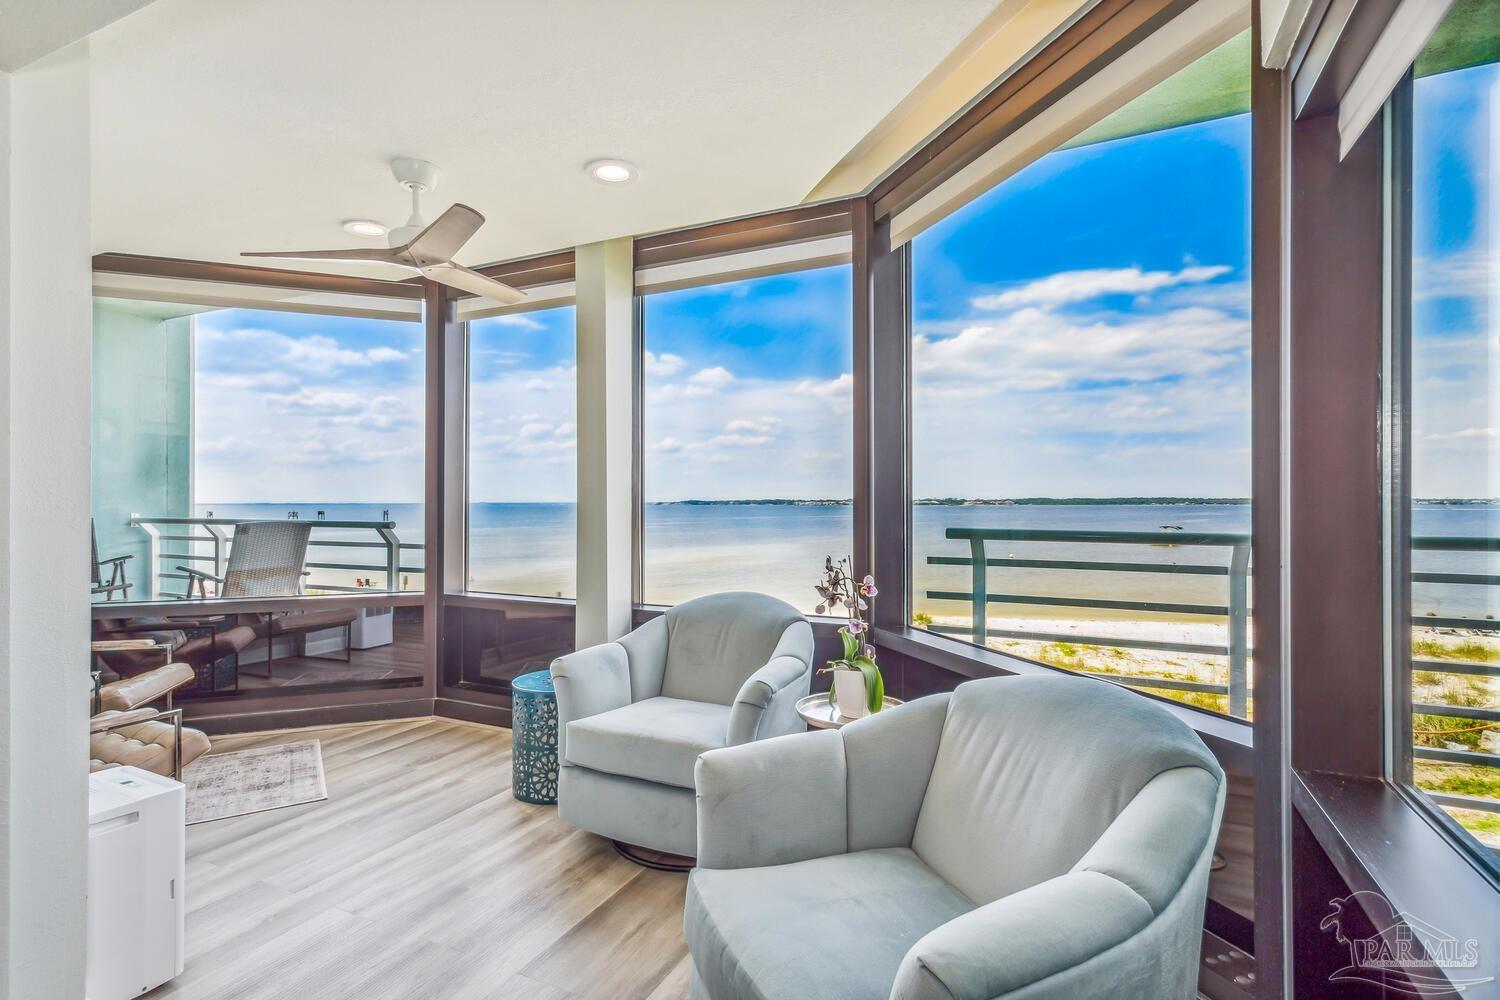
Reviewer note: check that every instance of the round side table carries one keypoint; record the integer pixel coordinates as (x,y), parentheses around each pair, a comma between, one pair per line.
(818,712)
(533,727)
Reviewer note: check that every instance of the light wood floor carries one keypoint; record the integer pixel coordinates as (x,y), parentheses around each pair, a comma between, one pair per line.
(421,877)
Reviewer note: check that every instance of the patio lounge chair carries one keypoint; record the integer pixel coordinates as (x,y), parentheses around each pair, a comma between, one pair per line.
(266,559)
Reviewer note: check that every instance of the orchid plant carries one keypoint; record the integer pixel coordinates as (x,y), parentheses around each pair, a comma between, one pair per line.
(838,590)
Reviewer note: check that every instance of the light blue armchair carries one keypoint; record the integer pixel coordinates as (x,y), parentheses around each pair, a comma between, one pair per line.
(634,715)
(1023,837)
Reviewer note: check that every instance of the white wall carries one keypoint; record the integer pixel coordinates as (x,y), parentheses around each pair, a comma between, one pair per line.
(44,509)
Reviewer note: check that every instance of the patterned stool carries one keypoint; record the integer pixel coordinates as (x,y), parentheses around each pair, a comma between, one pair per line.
(533,725)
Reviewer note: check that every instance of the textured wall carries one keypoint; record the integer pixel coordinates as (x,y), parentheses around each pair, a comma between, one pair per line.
(44,683)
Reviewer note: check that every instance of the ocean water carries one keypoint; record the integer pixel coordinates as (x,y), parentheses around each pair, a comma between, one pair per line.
(693,549)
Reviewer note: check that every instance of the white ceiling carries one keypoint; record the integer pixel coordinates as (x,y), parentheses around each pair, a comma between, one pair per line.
(221,125)
(29,29)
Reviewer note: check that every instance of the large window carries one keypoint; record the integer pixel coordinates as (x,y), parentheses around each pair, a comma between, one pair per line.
(1454,438)
(1081,404)
(303,429)
(523,454)
(747,433)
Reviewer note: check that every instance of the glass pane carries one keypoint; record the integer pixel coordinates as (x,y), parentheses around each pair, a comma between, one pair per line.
(204,418)
(523,454)
(1455,427)
(1081,400)
(748,429)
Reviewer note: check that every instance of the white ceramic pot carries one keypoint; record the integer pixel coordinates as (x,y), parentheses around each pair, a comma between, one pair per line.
(849,694)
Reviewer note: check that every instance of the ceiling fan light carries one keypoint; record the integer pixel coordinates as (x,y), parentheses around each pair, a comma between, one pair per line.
(610,171)
(364,227)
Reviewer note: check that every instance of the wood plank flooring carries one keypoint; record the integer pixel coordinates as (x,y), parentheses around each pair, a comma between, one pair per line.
(421,878)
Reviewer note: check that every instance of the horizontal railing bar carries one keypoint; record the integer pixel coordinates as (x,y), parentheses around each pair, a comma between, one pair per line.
(1456,667)
(1121,537)
(1456,712)
(1456,543)
(1457,756)
(187,538)
(186,557)
(1166,684)
(368,567)
(1070,564)
(1470,579)
(1084,602)
(1477,624)
(1463,801)
(353,590)
(335,543)
(137,521)
(1087,640)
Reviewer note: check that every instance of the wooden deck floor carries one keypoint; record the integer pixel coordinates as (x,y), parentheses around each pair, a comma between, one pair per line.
(421,877)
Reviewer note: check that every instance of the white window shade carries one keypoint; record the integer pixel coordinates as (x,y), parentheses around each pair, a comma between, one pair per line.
(1191,35)
(549,296)
(1281,23)
(232,295)
(757,263)
(1405,34)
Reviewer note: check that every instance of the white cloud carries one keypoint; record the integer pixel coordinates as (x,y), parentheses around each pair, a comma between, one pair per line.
(663,365)
(249,348)
(708,380)
(520,321)
(1080,286)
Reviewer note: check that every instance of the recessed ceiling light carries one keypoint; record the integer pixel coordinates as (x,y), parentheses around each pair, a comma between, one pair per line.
(610,171)
(364,227)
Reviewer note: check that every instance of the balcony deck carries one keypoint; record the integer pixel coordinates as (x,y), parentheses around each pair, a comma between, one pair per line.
(421,877)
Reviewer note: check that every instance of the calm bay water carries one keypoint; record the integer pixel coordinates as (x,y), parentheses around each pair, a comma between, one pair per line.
(693,549)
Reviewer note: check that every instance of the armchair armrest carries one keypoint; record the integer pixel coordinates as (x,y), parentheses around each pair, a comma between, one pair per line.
(766,705)
(106,721)
(142,689)
(772,802)
(589,682)
(1035,934)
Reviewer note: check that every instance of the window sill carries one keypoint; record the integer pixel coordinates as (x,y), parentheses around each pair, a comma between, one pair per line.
(479,599)
(199,607)
(1381,842)
(1229,739)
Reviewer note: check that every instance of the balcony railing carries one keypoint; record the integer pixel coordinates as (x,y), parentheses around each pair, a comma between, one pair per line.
(204,542)
(1235,611)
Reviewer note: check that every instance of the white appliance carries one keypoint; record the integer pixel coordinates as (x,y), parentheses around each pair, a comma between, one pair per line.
(372,627)
(137,846)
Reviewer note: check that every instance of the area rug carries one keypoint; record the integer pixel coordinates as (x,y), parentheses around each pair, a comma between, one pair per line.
(250,781)
(337,676)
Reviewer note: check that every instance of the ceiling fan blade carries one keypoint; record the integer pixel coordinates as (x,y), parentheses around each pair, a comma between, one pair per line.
(445,237)
(464,279)
(376,254)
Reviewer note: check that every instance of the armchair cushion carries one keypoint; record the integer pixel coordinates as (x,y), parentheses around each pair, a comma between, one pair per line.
(1024,939)
(714,643)
(658,739)
(1025,762)
(835,928)
(142,689)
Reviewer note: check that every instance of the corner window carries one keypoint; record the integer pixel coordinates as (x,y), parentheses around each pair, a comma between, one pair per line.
(523,454)
(747,435)
(1454,436)
(1081,400)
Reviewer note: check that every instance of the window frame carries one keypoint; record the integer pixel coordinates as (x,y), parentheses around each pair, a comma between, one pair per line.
(1397,122)
(725,241)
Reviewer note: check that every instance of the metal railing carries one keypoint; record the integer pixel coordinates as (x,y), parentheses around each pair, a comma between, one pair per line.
(1235,610)
(211,546)
(1482,716)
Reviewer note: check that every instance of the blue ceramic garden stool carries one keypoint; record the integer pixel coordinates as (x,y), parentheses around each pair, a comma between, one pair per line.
(533,725)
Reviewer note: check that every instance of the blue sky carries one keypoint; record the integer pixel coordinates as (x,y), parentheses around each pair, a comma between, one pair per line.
(1081,330)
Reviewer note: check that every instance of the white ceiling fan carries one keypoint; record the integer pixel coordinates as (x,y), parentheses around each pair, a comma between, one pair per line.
(418,246)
